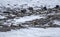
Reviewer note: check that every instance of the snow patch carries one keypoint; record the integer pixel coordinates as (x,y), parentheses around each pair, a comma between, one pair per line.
(27,18)
(57,22)
(32,32)
(2,17)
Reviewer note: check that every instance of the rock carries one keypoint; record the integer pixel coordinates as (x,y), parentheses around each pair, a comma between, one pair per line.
(35,23)
(44,8)
(48,17)
(55,25)
(53,17)
(18,26)
(11,16)
(57,6)
(30,8)
(50,24)
(14,27)
(8,4)
(21,26)
(39,22)
(6,12)
(4,28)
(23,10)
(49,11)
(43,21)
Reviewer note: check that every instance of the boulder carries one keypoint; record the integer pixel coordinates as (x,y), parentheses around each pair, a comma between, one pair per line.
(57,6)
(30,8)
(4,28)
(23,10)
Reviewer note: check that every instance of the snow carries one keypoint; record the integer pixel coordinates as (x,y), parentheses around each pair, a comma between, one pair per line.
(48,3)
(2,17)
(57,22)
(32,32)
(27,18)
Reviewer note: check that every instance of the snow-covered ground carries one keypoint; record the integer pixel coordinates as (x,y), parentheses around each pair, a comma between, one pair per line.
(32,3)
(32,32)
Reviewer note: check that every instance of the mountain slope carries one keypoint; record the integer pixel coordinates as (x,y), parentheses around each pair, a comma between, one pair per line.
(50,3)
